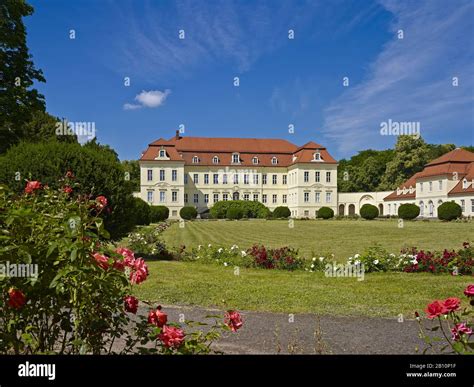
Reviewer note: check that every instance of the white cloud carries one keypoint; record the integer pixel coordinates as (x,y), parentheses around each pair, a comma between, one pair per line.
(411,79)
(148,99)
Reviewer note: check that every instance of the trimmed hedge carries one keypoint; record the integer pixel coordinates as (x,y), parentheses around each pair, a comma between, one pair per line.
(369,211)
(249,209)
(449,211)
(234,213)
(142,212)
(281,212)
(188,213)
(159,213)
(408,211)
(325,213)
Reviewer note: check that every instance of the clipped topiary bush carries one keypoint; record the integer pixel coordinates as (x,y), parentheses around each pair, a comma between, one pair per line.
(142,212)
(159,213)
(449,211)
(250,209)
(369,211)
(408,211)
(325,213)
(234,213)
(188,213)
(281,212)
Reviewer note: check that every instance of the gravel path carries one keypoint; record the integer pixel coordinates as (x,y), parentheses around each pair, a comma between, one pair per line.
(270,333)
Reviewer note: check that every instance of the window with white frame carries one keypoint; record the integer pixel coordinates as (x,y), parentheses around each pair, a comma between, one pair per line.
(162,175)
(206,178)
(196,198)
(225,197)
(274,199)
(264,198)
(185,178)
(174,175)
(174,196)
(255,160)
(162,196)
(464,184)
(472,205)
(284,199)
(421,187)
(316,156)
(264,178)
(246,197)
(328,197)
(422,208)
(216,197)
(274,179)
(317,197)
(430,185)
(463,205)
(235,158)
(440,185)
(328,177)
(317,176)
(162,153)
(215,178)
(196,178)
(149,196)
(149,175)
(185,197)
(255,197)
(285,178)
(306,197)
(195,159)
(206,198)
(236,178)
(215,160)
(224,178)
(255,178)
(306,176)
(246,179)
(274,161)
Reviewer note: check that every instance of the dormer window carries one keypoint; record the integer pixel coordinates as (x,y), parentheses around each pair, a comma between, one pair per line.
(316,156)
(235,158)
(162,153)
(255,160)
(294,158)
(215,160)
(464,184)
(398,191)
(195,159)
(274,161)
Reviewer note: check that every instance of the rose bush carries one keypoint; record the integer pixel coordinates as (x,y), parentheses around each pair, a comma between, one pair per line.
(81,300)
(451,319)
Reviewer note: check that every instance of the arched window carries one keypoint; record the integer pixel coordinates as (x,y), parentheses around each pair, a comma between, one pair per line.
(422,208)
(162,153)
(274,160)
(215,160)
(464,184)
(316,156)
(195,159)
(255,160)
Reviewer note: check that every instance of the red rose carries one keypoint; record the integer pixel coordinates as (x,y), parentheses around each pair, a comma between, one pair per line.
(131,304)
(139,271)
(32,186)
(101,260)
(451,304)
(157,317)
(469,291)
(233,320)
(171,337)
(127,254)
(460,329)
(435,309)
(67,189)
(101,201)
(16,298)
(119,265)
(69,175)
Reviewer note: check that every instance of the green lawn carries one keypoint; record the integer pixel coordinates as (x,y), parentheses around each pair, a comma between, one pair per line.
(344,238)
(379,294)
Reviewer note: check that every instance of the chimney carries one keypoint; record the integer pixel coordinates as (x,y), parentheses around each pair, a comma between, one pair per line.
(177,135)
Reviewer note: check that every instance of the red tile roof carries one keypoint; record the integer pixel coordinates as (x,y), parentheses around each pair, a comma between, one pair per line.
(411,182)
(180,148)
(469,176)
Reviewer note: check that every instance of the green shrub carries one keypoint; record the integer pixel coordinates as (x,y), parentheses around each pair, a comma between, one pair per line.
(142,212)
(449,211)
(281,212)
(188,213)
(369,211)
(234,213)
(249,209)
(325,213)
(159,213)
(408,211)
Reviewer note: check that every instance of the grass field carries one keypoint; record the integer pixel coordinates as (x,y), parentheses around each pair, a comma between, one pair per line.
(343,238)
(379,294)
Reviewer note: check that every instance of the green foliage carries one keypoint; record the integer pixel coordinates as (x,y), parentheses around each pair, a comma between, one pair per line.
(325,213)
(408,211)
(147,241)
(449,211)
(188,213)
(96,168)
(369,211)
(159,213)
(132,172)
(281,212)
(142,212)
(234,213)
(249,209)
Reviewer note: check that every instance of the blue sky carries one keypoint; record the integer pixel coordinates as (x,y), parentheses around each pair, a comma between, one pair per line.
(283,81)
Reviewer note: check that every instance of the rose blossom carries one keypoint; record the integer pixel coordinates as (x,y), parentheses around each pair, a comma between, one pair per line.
(131,304)
(101,201)
(32,186)
(451,304)
(139,271)
(233,320)
(172,337)
(16,298)
(69,175)
(469,291)
(435,309)
(67,189)
(101,260)
(127,254)
(157,317)
(460,329)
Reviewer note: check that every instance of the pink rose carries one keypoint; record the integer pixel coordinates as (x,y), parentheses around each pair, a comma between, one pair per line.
(469,291)
(16,298)
(101,260)
(67,189)
(101,201)
(139,271)
(451,304)
(131,304)
(233,320)
(460,329)
(32,186)
(435,309)
(157,317)
(172,337)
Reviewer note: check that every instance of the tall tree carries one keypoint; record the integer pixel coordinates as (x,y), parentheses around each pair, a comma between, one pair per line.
(18,99)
